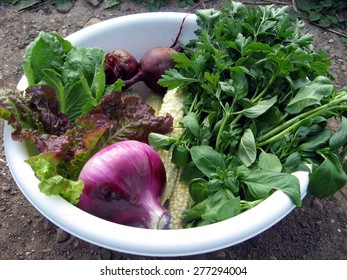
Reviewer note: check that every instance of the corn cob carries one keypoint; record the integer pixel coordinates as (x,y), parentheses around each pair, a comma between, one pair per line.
(177,192)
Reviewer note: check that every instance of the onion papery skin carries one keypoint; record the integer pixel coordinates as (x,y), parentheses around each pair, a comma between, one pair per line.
(123,183)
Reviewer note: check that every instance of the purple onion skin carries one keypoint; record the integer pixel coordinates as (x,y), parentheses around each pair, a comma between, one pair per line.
(119,64)
(123,183)
(153,65)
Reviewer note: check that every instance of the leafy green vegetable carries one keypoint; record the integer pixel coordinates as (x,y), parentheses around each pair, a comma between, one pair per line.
(45,167)
(269,162)
(258,100)
(47,51)
(310,94)
(217,207)
(261,183)
(33,113)
(76,73)
(247,150)
(66,113)
(62,157)
(207,159)
(328,176)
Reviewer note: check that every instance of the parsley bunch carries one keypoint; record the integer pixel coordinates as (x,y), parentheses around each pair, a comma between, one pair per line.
(258,101)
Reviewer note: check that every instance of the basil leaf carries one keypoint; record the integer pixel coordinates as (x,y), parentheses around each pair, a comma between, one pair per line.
(221,206)
(180,155)
(190,172)
(157,141)
(339,138)
(247,152)
(310,94)
(328,177)
(262,183)
(317,141)
(198,190)
(260,108)
(292,162)
(206,159)
(269,162)
(191,123)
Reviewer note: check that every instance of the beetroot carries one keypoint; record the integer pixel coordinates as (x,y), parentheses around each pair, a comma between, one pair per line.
(154,63)
(119,64)
(152,67)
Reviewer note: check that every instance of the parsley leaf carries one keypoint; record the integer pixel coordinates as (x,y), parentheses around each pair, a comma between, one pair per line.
(253,76)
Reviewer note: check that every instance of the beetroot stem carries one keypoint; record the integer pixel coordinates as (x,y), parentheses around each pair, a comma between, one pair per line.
(174,45)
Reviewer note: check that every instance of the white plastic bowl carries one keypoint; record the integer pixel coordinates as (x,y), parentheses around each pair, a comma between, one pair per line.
(138,33)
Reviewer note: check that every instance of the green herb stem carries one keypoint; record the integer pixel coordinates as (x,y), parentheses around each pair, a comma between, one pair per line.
(265,90)
(245,205)
(294,123)
(219,135)
(343,153)
(331,105)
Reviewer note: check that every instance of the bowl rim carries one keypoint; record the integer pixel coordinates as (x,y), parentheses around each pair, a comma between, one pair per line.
(138,241)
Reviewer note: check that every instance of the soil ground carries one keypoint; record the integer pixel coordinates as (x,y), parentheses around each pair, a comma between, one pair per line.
(317,230)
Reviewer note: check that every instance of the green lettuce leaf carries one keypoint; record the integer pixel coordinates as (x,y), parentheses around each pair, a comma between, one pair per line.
(75,72)
(47,51)
(47,168)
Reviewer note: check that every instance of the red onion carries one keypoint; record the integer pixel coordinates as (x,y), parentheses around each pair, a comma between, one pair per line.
(123,183)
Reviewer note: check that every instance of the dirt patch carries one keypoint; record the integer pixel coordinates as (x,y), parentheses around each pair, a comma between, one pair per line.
(317,230)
